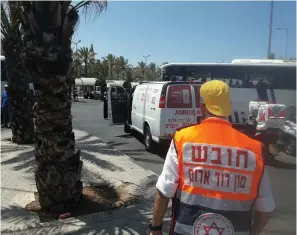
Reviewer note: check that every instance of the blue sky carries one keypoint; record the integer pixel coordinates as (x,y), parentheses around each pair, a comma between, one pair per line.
(189,31)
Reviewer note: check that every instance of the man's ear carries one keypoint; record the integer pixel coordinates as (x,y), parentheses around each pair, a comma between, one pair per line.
(203,109)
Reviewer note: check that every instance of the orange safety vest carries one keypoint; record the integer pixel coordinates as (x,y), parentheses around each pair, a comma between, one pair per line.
(220,172)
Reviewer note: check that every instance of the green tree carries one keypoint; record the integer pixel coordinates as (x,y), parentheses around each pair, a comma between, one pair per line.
(78,68)
(100,69)
(18,84)
(142,66)
(121,65)
(153,67)
(86,56)
(271,56)
(48,29)
(152,72)
(129,74)
(111,62)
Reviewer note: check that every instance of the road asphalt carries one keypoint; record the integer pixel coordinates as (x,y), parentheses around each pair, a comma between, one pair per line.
(88,116)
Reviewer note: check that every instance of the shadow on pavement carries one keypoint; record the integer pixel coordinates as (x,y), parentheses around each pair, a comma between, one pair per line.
(132,220)
(22,157)
(24,160)
(146,160)
(125,136)
(161,150)
(114,144)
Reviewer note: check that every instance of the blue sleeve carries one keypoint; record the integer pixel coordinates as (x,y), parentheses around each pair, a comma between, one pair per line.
(4,100)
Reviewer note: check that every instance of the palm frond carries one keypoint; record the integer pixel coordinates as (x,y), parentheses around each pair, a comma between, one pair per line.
(10,32)
(91,8)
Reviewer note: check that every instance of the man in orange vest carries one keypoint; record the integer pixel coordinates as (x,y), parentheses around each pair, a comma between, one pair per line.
(214,174)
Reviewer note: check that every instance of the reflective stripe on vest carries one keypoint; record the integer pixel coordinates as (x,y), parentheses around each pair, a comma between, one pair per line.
(220,172)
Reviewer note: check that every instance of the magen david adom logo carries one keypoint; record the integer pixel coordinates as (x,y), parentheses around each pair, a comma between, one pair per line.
(212,224)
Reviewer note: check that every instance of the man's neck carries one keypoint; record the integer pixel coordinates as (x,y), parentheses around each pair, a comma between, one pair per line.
(212,116)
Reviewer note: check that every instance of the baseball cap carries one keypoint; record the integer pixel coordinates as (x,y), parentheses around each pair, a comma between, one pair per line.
(215,95)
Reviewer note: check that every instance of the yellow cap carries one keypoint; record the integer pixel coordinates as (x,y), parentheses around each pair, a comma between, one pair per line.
(215,95)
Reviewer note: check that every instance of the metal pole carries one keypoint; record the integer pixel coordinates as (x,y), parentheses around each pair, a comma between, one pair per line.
(76,72)
(146,58)
(145,61)
(76,59)
(270,29)
(287,41)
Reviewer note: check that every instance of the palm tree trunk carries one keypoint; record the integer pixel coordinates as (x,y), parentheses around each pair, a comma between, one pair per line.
(59,167)
(58,174)
(21,113)
(20,101)
(18,83)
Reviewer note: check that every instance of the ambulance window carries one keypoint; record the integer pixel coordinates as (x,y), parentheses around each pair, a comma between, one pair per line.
(179,96)
(197,96)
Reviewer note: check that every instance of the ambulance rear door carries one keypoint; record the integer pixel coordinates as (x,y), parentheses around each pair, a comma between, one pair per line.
(179,108)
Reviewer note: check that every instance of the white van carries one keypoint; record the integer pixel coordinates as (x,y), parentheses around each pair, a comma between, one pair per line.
(155,109)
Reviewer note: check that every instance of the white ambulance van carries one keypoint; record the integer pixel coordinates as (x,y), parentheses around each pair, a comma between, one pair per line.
(155,109)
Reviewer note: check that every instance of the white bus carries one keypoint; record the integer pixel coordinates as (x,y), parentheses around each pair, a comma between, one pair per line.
(266,80)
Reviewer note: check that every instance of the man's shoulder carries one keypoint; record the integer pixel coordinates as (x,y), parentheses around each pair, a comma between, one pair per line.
(182,131)
(246,137)
(185,128)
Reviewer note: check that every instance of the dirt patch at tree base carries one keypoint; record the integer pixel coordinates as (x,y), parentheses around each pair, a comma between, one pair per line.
(8,139)
(95,198)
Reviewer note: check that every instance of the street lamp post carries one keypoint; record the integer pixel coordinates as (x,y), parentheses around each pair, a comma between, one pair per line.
(146,58)
(76,72)
(287,39)
(76,43)
(145,61)
(270,29)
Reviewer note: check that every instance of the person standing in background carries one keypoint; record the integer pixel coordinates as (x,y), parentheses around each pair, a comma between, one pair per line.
(5,107)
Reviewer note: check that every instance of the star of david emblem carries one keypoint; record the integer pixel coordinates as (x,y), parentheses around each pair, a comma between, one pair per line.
(276,109)
(213,227)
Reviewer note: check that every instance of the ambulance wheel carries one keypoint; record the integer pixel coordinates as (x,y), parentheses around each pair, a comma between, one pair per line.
(148,140)
(290,148)
(127,128)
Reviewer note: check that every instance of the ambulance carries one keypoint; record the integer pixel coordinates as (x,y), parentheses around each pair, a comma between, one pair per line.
(155,109)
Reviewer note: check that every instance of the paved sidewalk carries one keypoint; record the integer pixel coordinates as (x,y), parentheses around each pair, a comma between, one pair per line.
(101,162)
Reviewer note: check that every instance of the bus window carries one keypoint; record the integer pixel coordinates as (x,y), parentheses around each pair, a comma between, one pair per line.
(283,78)
(274,77)
(237,76)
